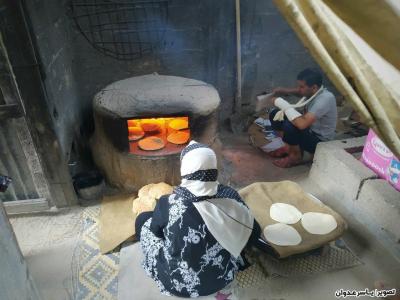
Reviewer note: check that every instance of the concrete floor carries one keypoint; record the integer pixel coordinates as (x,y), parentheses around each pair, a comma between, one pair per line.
(243,164)
(47,241)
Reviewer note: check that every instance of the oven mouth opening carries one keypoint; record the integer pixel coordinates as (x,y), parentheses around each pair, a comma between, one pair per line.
(158,135)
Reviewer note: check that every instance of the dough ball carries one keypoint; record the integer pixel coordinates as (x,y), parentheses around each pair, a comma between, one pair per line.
(285,213)
(318,223)
(282,235)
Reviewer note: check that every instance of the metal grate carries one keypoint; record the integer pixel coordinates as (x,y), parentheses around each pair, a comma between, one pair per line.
(125,30)
(335,256)
(253,276)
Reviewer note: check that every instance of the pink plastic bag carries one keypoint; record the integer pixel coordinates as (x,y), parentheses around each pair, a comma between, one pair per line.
(381,160)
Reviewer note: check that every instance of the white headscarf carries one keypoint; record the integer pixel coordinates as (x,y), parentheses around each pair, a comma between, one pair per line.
(227,218)
(198,159)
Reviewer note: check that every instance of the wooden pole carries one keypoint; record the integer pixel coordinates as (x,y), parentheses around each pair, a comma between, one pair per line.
(238,100)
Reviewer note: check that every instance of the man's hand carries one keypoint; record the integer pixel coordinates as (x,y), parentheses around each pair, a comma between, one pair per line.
(304,121)
(297,119)
(286,108)
(281,103)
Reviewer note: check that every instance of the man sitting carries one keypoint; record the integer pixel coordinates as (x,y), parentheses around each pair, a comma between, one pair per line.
(302,132)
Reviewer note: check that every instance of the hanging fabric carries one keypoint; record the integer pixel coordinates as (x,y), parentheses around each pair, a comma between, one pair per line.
(357,45)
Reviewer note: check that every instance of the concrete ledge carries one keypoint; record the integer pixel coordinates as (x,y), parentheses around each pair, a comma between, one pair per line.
(356,192)
(338,172)
(350,145)
(379,202)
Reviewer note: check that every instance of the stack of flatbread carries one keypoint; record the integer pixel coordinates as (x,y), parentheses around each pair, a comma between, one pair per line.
(118,214)
(148,196)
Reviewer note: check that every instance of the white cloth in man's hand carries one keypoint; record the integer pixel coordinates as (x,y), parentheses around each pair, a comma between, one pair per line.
(285,108)
(289,110)
(281,103)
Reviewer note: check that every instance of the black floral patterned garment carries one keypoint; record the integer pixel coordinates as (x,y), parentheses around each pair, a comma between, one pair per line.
(180,253)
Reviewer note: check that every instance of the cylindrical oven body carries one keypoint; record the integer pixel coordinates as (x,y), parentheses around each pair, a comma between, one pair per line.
(149,96)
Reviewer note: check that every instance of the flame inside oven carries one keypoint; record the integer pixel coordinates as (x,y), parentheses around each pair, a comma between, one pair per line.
(155,136)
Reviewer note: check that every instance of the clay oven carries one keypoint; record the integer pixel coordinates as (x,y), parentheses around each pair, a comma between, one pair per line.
(142,124)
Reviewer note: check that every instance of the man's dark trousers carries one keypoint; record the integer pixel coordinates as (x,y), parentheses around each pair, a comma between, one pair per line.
(306,139)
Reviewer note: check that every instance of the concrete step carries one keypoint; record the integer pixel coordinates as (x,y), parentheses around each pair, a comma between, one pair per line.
(337,171)
(356,192)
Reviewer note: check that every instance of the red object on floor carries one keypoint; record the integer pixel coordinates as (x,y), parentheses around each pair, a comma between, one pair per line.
(221,296)
(286,162)
(281,152)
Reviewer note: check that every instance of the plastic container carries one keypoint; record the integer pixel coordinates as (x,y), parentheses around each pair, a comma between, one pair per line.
(89,185)
(4,182)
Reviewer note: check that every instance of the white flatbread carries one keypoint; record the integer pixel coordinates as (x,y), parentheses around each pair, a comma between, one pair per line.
(282,235)
(285,213)
(318,223)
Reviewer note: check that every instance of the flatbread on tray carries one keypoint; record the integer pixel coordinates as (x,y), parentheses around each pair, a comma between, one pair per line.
(261,195)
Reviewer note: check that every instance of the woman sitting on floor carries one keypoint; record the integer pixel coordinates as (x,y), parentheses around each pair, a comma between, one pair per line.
(192,242)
